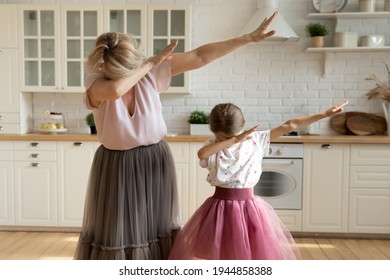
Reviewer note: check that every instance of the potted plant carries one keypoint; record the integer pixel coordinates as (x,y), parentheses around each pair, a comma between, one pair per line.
(316,31)
(91,122)
(199,123)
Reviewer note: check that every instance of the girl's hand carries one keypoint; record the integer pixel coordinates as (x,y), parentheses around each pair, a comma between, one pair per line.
(246,135)
(166,53)
(336,109)
(260,33)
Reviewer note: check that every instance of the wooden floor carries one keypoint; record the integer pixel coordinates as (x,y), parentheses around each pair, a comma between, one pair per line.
(61,246)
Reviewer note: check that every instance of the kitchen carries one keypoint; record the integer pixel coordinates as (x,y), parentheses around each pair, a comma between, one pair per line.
(271,82)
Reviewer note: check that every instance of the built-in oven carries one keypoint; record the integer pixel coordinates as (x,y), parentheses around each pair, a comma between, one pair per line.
(280,183)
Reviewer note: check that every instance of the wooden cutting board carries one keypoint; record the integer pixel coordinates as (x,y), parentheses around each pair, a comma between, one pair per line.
(367,125)
(339,123)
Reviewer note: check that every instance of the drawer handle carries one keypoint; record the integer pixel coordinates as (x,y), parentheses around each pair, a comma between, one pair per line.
(78,144)
(326,146)
(34,144)
(1,127)
(35,155)
(1,117)
(35,164)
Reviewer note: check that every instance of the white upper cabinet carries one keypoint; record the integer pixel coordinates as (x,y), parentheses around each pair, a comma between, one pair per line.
(9,97)
(79,28)
(154,27)
(54,43)
(39,48)
(130,19)
(8,23)
(166,24)
(9,94)
(55,40)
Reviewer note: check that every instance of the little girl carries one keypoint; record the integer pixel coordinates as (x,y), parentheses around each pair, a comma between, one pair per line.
(234,224)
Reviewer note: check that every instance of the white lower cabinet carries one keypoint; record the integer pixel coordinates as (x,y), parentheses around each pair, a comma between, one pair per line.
(369,189)
(74,164)
(325,188)
(346,188)
(191,178)
(199,189)
(35,166)
(292,219)
(6,183)
(180,153)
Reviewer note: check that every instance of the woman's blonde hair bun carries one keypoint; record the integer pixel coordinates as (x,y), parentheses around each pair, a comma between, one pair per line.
(115,54)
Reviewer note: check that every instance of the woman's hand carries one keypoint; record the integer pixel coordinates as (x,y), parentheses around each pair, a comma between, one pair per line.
(166,53)
(260,33)
(336,109)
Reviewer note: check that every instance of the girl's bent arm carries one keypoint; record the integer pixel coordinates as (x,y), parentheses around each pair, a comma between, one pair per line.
(209,150)
(214,148)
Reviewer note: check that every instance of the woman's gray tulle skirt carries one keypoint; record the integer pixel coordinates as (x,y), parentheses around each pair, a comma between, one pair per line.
(131,208)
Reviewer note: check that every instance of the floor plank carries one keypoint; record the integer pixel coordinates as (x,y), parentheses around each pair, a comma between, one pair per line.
(310,245)
(61,246)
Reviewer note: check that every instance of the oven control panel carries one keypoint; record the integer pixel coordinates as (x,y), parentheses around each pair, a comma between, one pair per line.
(282,150)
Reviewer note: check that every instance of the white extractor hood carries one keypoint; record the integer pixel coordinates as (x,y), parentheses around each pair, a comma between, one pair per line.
(265,8)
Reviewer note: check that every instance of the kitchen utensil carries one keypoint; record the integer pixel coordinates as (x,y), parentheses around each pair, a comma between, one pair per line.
(339,123)
(366,124)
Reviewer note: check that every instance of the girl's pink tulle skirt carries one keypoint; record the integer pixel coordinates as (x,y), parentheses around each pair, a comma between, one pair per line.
(234,224)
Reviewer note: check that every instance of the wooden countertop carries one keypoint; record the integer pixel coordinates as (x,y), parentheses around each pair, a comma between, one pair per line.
(348,139)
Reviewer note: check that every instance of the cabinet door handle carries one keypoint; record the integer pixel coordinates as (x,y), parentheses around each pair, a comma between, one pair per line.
(35,164)
(1,117)
(78,144)
(34,144)
(326,146)
(35,155)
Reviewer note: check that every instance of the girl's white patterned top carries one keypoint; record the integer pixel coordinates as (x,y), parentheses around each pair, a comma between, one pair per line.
(238,166)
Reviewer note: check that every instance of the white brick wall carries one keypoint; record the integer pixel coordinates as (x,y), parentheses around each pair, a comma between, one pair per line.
(271,82)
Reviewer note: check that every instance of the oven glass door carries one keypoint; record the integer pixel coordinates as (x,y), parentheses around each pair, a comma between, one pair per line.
(280,183)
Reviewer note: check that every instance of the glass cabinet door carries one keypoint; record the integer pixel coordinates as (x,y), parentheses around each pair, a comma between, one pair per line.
(39,50)
(80,29)
(130,19)
(169,24)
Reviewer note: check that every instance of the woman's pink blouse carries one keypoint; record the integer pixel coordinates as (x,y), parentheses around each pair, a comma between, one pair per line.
(116,128)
